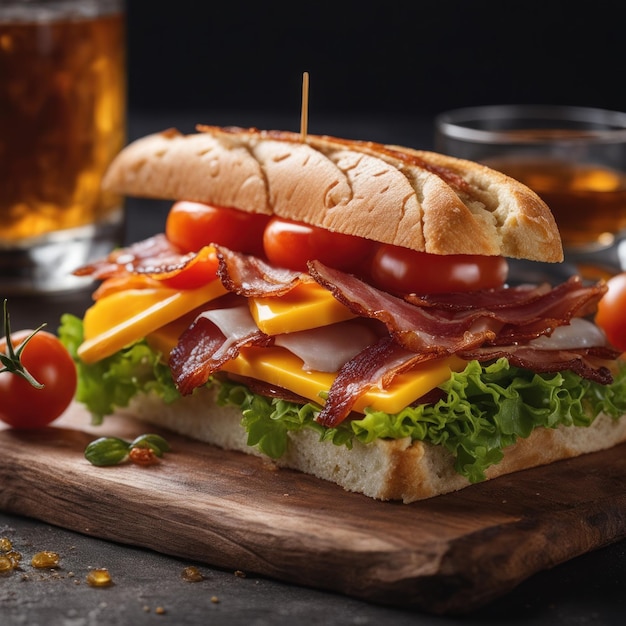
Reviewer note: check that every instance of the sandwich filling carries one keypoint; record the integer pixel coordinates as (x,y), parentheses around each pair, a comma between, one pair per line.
(325,349)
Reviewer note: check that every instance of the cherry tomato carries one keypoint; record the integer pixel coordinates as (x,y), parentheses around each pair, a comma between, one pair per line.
(201,270)
(21,404)
(611,316)
(401,270)
(291,244)
(193,225)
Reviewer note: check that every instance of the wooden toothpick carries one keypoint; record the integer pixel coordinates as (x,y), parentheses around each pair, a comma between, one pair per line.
(304,114)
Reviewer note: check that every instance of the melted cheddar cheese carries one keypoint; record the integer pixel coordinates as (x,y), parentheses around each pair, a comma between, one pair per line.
(161,315)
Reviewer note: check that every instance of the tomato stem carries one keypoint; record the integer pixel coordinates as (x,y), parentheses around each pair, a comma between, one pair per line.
(11,360)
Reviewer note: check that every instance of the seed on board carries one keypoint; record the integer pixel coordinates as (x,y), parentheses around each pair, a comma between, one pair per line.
(99,577)
(6,565)
(5,544)
(45,559)
(192,574)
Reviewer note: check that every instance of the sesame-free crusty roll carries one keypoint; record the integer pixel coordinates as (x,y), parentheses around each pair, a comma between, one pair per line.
(416,199)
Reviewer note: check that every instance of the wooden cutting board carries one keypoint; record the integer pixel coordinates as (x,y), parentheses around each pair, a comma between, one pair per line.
(449,554)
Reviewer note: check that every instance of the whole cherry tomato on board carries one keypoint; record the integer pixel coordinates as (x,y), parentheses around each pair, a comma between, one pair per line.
(611,315)
(193,225)
(401,270)
(291,244)
(37,378)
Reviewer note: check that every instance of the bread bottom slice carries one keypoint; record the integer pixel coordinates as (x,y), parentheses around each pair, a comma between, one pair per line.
(384,469)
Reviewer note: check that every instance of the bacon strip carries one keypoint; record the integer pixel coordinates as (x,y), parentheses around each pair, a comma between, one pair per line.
(415,328)
(586,362)
(148,256)
(153,258)
(484,299)
(201,351)
(251,277)
(456,329)
(375,366)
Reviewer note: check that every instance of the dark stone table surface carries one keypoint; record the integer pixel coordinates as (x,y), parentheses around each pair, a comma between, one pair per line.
(148,587)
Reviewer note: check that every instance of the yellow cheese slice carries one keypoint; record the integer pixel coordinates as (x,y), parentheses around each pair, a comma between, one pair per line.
(306,306)
(280,367)
(161,315)
(123,317)
(165,338)
(277,366)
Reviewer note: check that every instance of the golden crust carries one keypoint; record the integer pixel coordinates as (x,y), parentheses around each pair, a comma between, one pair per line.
(416,199)
(518,213)
(173,166)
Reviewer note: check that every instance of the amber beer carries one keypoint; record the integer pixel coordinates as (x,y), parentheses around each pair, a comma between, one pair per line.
(62,119)
(588,201)
(587,198)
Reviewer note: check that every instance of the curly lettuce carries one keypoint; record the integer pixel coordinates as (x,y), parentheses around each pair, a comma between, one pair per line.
(114,381)
(483,409)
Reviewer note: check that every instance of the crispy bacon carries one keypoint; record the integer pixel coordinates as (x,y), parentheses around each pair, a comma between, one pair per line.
(439,326)
(375,366)
(482,326)
(440,329)
(586,362)
(415,328)
(155,257)
(201,351)
(251,277)
(484,299)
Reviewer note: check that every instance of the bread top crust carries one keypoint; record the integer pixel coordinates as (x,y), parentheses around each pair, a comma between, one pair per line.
(416,199)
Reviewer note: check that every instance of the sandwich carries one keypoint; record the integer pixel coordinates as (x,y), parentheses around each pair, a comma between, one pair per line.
(343,308)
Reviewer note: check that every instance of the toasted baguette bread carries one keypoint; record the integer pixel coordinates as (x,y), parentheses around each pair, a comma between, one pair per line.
(384,469)
(415,199)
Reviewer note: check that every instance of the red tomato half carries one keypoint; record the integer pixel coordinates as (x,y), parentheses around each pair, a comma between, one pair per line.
(291,244)
(611,316)
(45,357)
(193,225)
(401,270)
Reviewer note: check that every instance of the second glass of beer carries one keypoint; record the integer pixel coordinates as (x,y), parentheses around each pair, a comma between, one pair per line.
(573,157)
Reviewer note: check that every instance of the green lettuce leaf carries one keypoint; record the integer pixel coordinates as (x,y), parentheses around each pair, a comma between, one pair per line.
(114,381)
(487,408)
(483,409)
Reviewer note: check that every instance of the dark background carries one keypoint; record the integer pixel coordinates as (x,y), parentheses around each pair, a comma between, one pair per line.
(384,60)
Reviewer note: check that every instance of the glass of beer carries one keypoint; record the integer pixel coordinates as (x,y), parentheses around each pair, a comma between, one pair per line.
(62,120)
(573,157)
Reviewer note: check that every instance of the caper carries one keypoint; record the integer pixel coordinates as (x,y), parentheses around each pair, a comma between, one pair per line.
(107,451)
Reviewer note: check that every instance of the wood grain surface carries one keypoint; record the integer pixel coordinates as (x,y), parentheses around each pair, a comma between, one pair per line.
(449,554)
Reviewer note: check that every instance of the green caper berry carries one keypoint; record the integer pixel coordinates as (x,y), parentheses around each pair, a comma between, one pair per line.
(107,451)
(156,443)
